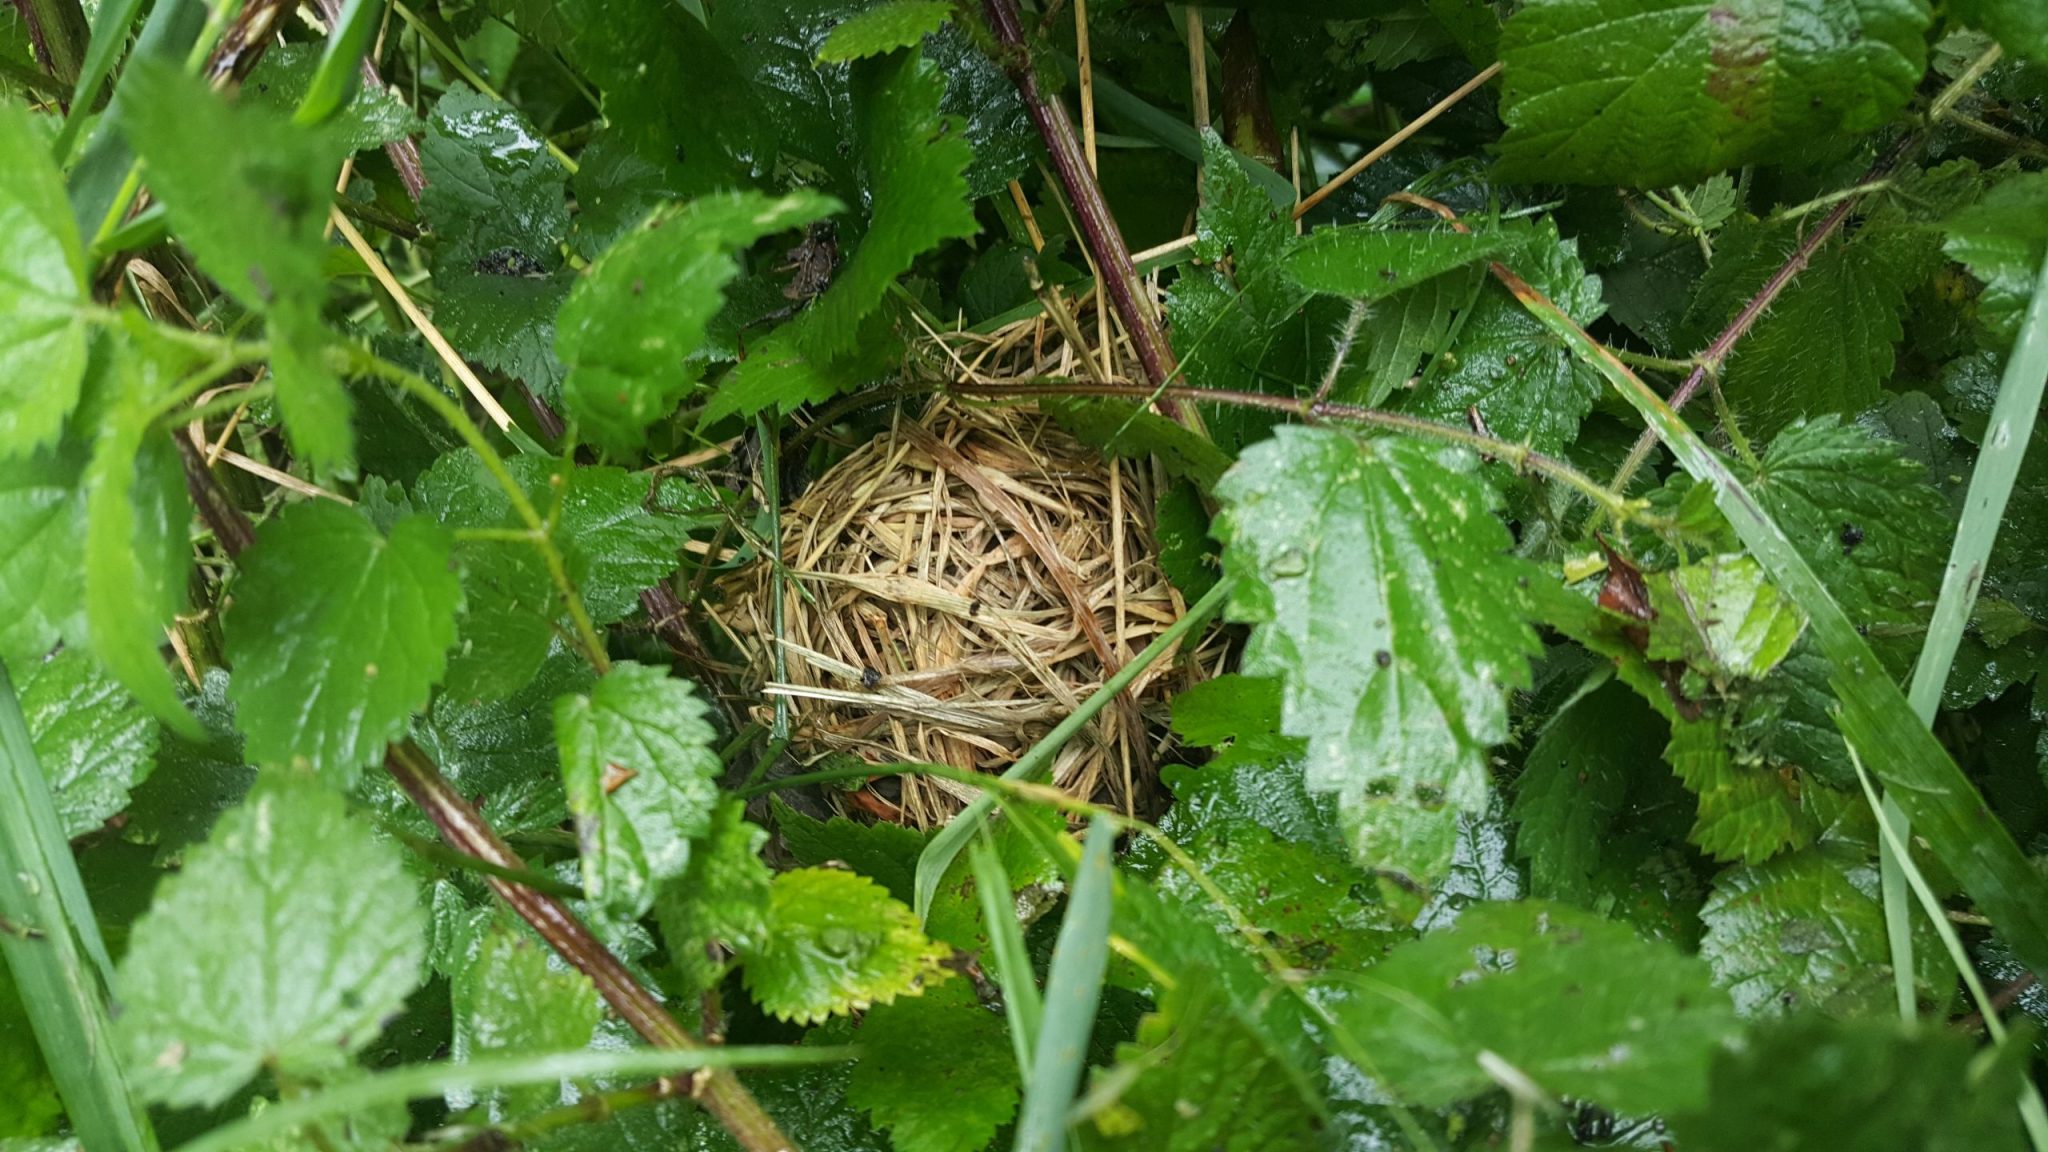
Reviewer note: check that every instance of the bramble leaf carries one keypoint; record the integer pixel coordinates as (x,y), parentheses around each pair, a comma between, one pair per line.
(42,291)
(836,942)
(936,1070)
(884,28)
(1376,579)
(1652,92)
(92,740)
(639,770)
(631,326)
(1643,1024)
(337,635)
(283,943)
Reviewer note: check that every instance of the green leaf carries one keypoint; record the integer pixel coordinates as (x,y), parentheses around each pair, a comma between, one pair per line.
(935,1070)
(1747,812)
(248,192)
(195,780)
(883,852)
(2019,25)
(1643,1020)
(1856,1086)
(32,1105)
(283,943)
(630,327)
(43,290)
(136,538)
(371,118)
(1366,263)
(502,750)
(836,943)
(1125,430)
(2001,239)
(91,738)
(1526,384)
(1237,717)
(1199,1076)
(912,162)
(337,635)
(779,375)
(1073,995)
(42,534)
(1683,89)
(1241,231)
(1722,617)
(1803,931)
(1375,576)
(884,28)
(640,774)
(1400,333)
(509,1000)
(496,203)
(722,898)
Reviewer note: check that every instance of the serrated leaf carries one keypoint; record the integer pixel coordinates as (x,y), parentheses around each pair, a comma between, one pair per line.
(1644,1021)
(337,634)
(284,942)
(1856,1086)
(1526,384)
(1238,717)
(912,162)
(1652,92)
(936,1071)
(496,203)
(502,750)
(1722,617)
(43,289)
(2021,26)
(630,327)
(1365,263)
(248,192)
(640,774)
(779,375)
(721,901)
(1128,431)
(1199,1076)
(508,999)
(1245,235)
(2001,239)
(883,852)
(1803,931)
(136,538)
(92,740)
(1747,812)
(195,781)
(836,942)
(372,117)
(42,533)
(1374,574)
(884,28)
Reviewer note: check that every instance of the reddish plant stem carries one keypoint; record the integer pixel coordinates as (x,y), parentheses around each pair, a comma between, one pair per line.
(404,154)
(1091,212)
(464,829)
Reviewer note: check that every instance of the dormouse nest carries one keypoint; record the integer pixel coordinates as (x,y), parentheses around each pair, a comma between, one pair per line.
(957,586)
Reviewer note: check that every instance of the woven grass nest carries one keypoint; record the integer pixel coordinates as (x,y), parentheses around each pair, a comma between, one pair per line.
(957,586)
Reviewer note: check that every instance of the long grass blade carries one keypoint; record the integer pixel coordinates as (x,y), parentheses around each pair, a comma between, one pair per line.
(423,1081)
(109,32)
(1073,989)
(341,64)
(1014,975)
(1875,715)
(53,948)
(95,183)
(945,847)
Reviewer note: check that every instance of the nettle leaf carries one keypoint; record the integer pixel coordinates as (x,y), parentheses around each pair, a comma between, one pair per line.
(721,901)
(43,287)
(1643,1021)
(2001,239)
(2021,26)
(507,999)
(93,741)
(284,942)
(913,162)
(936,1070)
(371,118)
(1198,1075)
(778,374)
(195,781)
(1857,1086)
(1748,812)
(640,773)
(42,534)
(1376,579)
(496,204)
(1366,263)
(1399,333)
(1527,386)
(337,635)
(631,326)
(836,943)
(883,852)
(248,193)
(1238,717)
(884,28)
(1652,92)
(1723,617)
(502,750)
(1867,521)
(1803,931)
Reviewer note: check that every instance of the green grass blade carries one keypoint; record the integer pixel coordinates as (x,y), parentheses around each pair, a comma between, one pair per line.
(1021,1001)
(1875,715)
(109,32)
(52,945)
(341,64)
(1073,989)
(422,1081)
(945,847)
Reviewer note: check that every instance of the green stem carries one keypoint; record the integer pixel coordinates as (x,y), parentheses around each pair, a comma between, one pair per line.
(435,852)
(59,33)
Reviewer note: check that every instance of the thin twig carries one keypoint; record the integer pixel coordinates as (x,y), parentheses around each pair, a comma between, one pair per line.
(1396,140)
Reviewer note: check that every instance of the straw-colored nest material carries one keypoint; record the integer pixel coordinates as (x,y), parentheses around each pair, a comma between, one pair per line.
(957,586)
